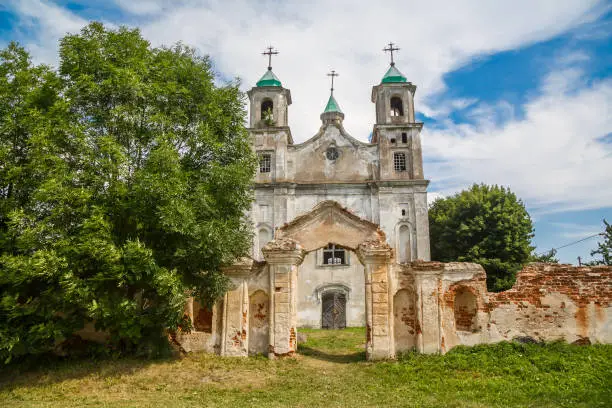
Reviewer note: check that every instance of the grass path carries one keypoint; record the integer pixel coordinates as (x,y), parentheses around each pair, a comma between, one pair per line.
(330,371)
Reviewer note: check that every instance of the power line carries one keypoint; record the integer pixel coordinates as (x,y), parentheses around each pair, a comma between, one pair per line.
(573,243)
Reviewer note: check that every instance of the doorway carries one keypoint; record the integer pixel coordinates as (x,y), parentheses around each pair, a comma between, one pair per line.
(333,310)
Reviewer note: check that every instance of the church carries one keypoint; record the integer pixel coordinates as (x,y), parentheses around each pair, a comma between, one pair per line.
(341,238)
(380,181)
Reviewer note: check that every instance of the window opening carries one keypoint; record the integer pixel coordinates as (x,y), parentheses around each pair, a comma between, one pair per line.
(404,137)
(397,108)
(403,212)
(265,163)
(334,255)
(392,140)
(332,153)
(399,161)
(267,110)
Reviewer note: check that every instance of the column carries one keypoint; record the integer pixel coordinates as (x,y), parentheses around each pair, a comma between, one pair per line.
(235,329)
(283,257)
(376,258)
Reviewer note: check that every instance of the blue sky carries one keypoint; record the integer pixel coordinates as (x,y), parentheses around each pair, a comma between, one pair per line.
(516,94)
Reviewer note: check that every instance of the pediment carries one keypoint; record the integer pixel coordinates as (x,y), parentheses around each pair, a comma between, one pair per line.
(342,133)
(329,222)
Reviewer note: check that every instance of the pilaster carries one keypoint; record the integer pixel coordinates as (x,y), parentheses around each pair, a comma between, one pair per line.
(283,257)
(376,258)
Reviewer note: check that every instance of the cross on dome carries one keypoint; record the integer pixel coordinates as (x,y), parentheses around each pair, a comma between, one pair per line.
(390,49)
(270,51)
(333,74)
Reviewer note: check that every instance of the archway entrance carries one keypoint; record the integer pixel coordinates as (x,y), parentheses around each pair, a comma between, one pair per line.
(329,222)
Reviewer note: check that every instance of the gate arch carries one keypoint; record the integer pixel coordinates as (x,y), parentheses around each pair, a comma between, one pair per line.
(329,222)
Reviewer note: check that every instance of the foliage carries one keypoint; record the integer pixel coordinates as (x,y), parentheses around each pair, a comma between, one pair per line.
(604,248)
(123,184)
(487,225)
(330,371)
(268,117)
(547,257)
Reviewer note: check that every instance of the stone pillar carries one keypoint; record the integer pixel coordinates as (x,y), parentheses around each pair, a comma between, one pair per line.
(235,329)
(283,257)
(428,311)
(376,258)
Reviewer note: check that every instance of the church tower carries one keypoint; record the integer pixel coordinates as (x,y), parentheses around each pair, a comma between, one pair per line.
(402,183)
(268,124)
(396,132)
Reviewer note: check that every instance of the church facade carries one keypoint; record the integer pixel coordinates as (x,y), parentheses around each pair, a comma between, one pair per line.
(381,181)
(341,239)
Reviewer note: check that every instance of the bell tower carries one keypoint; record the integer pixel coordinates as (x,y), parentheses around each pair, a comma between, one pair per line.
(269,100)
(403,188)
(396,132)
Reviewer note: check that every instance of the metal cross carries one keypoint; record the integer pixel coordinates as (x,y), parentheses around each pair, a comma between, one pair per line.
(391,49)
(333,74)
(270,53)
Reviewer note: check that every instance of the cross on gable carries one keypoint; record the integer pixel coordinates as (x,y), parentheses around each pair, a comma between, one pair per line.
(270,52)
(333,74)
(390,49)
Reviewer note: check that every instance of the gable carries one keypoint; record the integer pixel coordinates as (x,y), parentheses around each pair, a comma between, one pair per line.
(310,161)
(328,223)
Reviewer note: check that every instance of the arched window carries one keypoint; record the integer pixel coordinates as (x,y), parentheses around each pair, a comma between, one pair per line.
(267,111)
(404,244)
(264,237)
(397,108)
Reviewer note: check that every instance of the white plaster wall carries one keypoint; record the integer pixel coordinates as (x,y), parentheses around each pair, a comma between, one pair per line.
(312,277)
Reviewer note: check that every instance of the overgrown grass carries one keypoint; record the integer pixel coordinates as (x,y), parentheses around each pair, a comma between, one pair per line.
(330,371)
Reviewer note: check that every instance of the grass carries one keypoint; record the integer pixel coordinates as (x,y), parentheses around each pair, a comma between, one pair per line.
(331,371)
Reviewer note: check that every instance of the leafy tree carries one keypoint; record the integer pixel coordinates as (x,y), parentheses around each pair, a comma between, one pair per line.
(125,178)
(604,248)
(487,225)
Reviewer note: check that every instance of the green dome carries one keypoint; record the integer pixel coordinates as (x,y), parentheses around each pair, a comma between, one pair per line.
(269,79)
(393,75)
(332,105)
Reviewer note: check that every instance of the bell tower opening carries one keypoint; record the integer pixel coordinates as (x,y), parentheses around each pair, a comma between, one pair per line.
(397,107)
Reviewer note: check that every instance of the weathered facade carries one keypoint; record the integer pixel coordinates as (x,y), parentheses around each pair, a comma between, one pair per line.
(341,238)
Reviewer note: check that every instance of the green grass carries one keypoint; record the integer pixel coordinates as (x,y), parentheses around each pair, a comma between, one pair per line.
(331,371)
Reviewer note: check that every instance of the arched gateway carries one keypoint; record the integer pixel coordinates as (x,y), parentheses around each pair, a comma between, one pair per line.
(277,279)
(329,222)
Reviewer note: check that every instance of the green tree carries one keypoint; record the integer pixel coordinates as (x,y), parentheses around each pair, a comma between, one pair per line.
(126,181)
(604,248)
(487,225)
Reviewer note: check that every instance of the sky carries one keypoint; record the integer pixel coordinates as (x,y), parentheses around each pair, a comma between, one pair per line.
(514,93)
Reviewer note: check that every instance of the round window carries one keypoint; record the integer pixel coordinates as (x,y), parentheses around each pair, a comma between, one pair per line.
(332,153)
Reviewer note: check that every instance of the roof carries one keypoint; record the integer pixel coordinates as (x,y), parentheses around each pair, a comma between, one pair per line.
(269,79)
(332,105)
(393,75)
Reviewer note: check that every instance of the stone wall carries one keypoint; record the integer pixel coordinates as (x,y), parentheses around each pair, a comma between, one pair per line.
(433,307)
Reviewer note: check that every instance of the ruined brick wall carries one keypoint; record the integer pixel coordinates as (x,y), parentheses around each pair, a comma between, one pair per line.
(548,302)
(552,301)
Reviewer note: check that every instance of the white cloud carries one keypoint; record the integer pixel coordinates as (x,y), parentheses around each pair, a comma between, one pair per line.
(46,23)
(573,231)
(550,157)
(313,37)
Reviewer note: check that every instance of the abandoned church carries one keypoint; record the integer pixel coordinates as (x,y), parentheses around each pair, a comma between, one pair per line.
(341,238)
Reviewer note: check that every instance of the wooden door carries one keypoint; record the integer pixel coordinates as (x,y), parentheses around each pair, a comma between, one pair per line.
(333,310)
